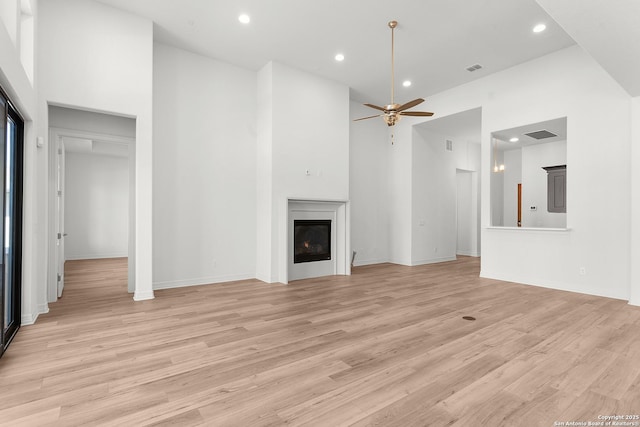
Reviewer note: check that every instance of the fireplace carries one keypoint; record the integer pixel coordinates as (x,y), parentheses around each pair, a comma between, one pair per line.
(311,240)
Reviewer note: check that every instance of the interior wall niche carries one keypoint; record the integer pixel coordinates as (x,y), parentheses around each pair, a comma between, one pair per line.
(520,159)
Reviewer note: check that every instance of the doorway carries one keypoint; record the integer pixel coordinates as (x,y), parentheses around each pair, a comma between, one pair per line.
(467,213)
(92,166)
(11,159)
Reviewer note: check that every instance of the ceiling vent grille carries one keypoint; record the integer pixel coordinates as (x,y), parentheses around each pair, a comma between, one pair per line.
(473,68)
(541,134)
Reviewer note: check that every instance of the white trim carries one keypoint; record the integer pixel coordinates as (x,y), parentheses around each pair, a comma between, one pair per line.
(30,318)
(558,286)
(528,228)
(97,256)
(97,136)
(468,253)
(370,262)
(432,261)
(142,296)
(201,281)
(341,236)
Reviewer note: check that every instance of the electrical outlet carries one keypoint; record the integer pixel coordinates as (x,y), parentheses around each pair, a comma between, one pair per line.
(583,271)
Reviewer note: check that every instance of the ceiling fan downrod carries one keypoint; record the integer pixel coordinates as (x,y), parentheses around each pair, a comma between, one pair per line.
(392,25)
(392,112)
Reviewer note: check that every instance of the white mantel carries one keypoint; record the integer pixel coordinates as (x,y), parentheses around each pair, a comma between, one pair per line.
(338,213)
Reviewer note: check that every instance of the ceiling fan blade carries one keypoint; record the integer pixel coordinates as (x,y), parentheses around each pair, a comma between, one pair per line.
(416,113)
(375,106)
(370,117)
(410,104)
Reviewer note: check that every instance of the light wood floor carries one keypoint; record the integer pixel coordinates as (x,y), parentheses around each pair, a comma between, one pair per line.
(386,346)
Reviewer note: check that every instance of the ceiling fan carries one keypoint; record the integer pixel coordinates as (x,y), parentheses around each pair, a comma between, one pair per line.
(391,113)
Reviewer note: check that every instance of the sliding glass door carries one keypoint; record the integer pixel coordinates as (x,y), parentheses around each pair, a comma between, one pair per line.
(11,152)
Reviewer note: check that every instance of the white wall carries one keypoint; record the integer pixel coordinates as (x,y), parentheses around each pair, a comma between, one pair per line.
(19,23)
(534,183)
(368,177)
(399,189)
(634,290)
(99,58)
(96,206)
(467,213)
(512,176)
(497,189)
(565,83)
(434,198)
(17,84)
(88,121)
(204,170)
(10,17)
(296,136)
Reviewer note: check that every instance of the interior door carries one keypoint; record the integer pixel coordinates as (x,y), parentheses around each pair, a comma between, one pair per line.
(519,205)
(60,258)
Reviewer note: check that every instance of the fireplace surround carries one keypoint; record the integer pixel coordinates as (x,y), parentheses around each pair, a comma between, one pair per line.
(317,238)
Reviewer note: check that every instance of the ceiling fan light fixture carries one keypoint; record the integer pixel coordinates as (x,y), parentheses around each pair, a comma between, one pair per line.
(391,118)
(391,113)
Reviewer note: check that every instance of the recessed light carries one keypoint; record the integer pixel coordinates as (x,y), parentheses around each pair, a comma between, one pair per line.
(339,57)
(539,28)
(244,18)
(406,83)
(514,139)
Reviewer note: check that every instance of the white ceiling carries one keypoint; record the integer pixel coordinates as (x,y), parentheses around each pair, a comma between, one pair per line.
(435,40)
(609,30)
(460,127)
(557,126)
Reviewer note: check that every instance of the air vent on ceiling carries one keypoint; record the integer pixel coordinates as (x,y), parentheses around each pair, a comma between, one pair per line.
(541,134)
(474,67)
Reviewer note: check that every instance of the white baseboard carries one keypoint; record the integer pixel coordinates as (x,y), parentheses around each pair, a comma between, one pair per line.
(468,253)
(433,261)
(97,256)
(30,318)
(369,262)
(143,295)
(559,286)
(201,281)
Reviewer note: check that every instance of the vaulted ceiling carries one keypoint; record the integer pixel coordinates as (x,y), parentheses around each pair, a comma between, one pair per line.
(435,40)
